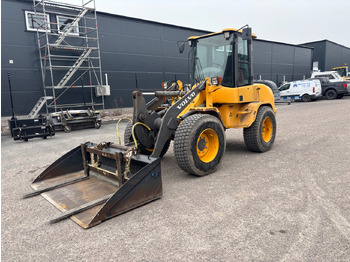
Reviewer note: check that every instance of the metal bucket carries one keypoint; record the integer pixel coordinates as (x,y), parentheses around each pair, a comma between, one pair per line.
(92,183)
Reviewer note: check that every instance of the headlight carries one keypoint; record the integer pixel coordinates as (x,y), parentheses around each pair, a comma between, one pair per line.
(165,85)
(216,80)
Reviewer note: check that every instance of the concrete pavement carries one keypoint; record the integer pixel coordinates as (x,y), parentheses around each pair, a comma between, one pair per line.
(289,204)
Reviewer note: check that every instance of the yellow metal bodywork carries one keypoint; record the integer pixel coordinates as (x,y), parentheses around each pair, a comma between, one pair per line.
(339,69)
(236,107)
(217,33)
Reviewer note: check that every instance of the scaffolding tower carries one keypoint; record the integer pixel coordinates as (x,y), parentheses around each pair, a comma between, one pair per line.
(69,55)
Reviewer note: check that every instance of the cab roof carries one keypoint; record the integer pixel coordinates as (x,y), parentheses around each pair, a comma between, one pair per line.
(340,67)
(217,33)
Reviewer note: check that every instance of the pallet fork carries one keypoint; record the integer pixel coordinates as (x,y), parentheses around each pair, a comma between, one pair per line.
(94,182)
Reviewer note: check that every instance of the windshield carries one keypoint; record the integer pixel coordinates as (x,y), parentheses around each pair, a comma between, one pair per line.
(342,71)
(212,57)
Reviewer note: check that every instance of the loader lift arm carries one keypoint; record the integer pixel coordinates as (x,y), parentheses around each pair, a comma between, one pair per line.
(170,121)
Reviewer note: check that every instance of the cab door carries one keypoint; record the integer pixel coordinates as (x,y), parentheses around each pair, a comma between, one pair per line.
(284,90)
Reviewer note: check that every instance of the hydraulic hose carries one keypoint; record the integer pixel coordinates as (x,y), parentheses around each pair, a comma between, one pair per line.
(132,131)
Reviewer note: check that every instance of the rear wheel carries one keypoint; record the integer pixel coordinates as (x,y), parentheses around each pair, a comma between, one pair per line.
(67,129)
(260,136)
(331,94)
(199,144)
(97,124)
(306,98)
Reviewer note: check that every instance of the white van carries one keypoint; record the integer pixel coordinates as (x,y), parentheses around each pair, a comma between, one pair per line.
(305,90)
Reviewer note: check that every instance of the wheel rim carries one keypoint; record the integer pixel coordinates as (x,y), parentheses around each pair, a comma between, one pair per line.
(207,145)
(306,98)
(267,129)
(331,94)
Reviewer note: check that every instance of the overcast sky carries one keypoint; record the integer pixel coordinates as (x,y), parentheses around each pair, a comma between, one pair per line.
(288,21)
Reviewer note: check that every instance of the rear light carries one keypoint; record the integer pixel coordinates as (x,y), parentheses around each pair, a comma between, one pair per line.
(345,86)
(313,90)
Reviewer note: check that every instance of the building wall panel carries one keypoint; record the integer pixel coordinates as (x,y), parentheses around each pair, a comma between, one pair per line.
(132,50)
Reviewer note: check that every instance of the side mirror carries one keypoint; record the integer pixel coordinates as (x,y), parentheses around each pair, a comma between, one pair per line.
(181,46)
(247,33)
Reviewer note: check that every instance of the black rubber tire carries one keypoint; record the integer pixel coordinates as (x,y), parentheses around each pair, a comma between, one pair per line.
(128,139)
(331,94)
(185,144)
(67,129)
(306,98)
(97,124)
(253,135)
(128,133)
(340,96)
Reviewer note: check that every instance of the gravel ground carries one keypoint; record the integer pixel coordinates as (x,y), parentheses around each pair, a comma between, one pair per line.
(289,204)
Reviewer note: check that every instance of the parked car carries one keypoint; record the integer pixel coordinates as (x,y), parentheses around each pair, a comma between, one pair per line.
(332,90)
(333,76)
(273,87)
(305,90)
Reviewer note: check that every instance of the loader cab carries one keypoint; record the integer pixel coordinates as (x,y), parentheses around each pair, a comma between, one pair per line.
(226,55)
(342,70)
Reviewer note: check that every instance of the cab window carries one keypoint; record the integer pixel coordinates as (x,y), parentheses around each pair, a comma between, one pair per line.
(284,87)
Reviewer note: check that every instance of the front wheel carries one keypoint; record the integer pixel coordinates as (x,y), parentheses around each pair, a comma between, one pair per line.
(260,136)
(147,151)
(199,144)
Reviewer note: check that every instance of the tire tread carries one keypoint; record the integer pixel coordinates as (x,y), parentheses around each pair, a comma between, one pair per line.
(182,143)
(252,135)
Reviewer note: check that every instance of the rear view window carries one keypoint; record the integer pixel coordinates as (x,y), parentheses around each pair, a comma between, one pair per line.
(328,76)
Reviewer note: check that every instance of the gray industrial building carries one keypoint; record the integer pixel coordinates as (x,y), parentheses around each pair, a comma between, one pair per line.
(328,54)
(134,53)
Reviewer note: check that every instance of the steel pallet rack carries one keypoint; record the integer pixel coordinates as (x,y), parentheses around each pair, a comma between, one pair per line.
(69,54)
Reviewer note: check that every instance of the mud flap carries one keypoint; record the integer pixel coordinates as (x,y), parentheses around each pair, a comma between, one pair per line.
(92,183)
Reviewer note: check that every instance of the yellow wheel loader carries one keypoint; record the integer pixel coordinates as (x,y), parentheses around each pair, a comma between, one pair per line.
(343,71)
(94,182)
